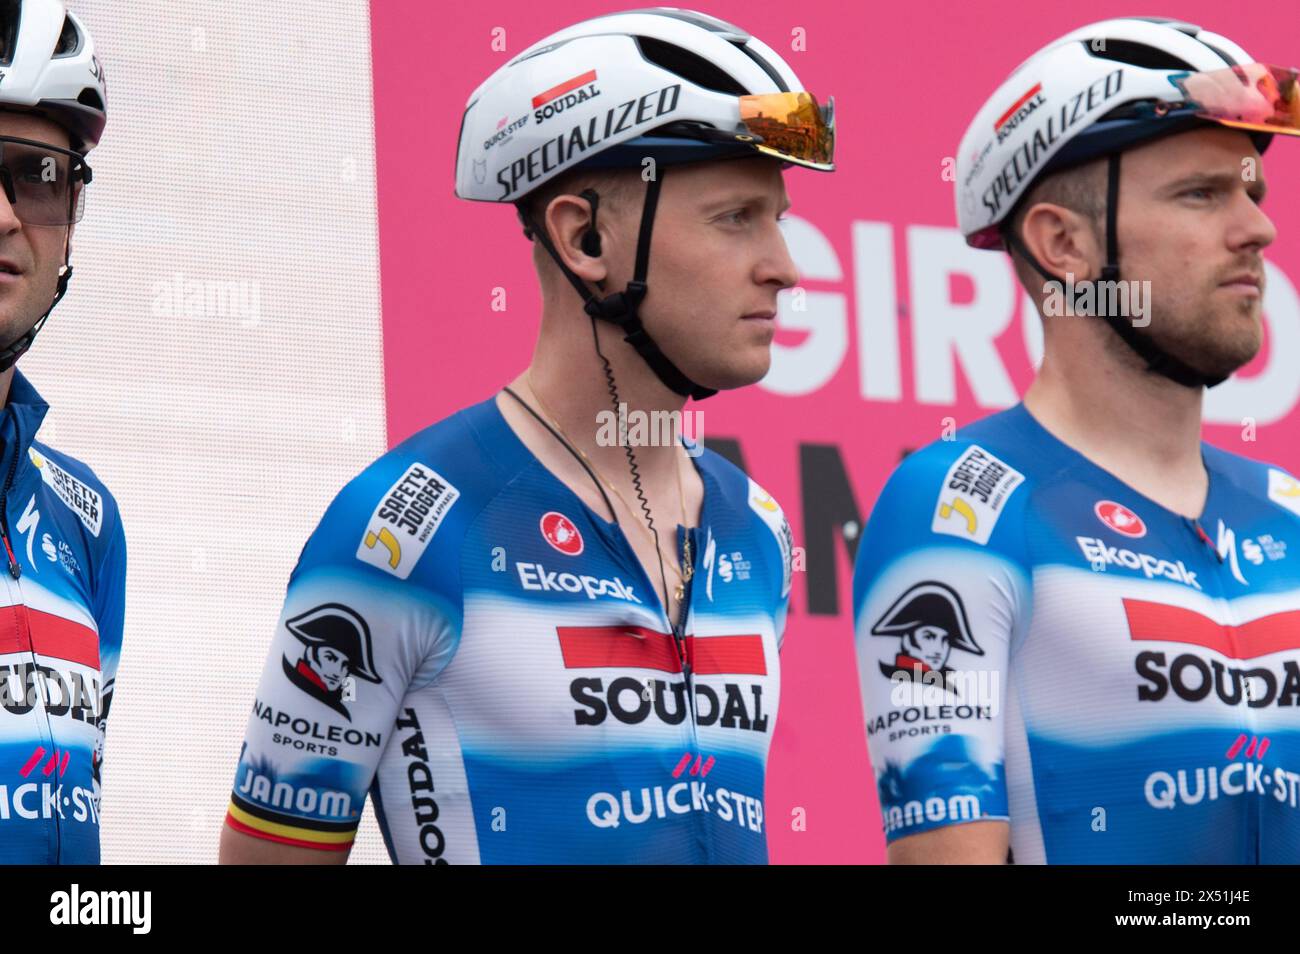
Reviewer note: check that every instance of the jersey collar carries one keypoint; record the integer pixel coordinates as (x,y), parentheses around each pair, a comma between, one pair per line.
(23,413)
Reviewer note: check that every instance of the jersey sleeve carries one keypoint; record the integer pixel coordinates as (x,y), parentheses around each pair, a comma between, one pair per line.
(941,591)
(110,615)
(779,554)
(357,632)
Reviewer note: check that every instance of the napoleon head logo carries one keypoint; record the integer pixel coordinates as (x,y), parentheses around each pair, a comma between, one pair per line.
(336,645)
(930,622)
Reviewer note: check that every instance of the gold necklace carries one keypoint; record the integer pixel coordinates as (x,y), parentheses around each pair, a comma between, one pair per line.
(686,564)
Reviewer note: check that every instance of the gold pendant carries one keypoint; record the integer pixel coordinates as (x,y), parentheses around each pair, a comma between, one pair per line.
(679,592)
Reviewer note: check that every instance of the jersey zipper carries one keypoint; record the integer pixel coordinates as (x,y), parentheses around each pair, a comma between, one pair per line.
(1248,721)
(1196,528)
(683,648)
(15,571)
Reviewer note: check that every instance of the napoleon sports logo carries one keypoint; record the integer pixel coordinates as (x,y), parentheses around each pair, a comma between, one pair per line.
(930,621)
(336,648)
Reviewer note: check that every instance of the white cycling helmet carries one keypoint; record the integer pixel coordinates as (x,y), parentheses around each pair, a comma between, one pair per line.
(48,66)
(666,84)
(602,83)
(1095,92)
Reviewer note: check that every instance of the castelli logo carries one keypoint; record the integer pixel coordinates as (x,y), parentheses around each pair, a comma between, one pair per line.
(1120,519)
(560,533)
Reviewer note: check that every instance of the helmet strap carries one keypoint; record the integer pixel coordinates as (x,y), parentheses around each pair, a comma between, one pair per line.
(10,354)
(1156,358)
(621,308)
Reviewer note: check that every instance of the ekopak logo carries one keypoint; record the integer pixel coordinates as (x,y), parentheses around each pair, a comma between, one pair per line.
(1119,518)
(560,533)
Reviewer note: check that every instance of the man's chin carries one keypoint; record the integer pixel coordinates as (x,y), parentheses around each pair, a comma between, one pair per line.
(734,376)
(1225,358)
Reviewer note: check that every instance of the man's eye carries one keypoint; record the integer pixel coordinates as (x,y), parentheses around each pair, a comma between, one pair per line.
(32,174)
(1200,192)
(737,215)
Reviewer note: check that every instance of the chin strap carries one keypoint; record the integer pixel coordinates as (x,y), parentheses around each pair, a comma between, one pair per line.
(621,308)
(10,354)
(1156,358)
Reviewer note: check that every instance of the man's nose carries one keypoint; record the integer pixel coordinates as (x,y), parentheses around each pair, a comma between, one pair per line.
(9,221)
(778,266)
(1253,229)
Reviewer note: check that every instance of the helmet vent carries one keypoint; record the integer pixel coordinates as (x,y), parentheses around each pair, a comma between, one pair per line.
(1134,54)
(10,14)
(69,40)
(688,66)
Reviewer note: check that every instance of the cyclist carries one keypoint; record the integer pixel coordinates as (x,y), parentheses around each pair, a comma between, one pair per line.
(64,550)
(515,630)
(1077,624)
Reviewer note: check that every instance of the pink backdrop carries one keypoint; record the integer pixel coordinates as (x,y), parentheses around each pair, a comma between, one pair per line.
(906,79)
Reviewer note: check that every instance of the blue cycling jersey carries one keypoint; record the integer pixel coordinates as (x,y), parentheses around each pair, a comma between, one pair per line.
(1039,643)
(466,642)
(64,573)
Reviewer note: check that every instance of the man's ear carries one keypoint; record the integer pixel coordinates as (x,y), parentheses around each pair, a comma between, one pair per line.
(568,220)
(1062,240)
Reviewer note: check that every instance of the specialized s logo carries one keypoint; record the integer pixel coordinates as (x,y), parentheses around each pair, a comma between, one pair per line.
(974,495)
(406,519)
(931,622)
(337,646)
